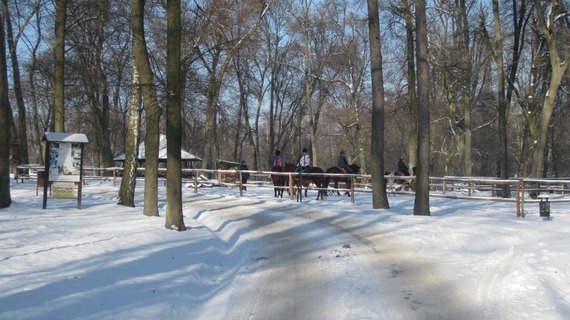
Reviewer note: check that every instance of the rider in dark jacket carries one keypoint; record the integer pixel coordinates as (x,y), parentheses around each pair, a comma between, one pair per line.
(342,163)
(402,168)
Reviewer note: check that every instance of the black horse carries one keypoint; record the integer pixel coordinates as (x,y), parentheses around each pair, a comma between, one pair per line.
(352,169)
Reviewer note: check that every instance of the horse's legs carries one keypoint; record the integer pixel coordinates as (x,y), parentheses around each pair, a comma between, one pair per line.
(322,184)
(336,186)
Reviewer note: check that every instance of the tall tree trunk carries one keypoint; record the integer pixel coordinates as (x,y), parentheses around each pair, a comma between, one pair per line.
(211,133)
(37,130)
(466,61)
(379,196)
(502,102)
(530,109)
(559,65)
(104,150)
(5,112)
(308,100)
(421,203)
(58,123)
(129,182)
(519,21)
(174,213)
(22,132)
(412,139)
(152,109)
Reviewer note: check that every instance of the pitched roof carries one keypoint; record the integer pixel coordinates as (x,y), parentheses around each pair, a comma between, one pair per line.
(184,155)
(65,137)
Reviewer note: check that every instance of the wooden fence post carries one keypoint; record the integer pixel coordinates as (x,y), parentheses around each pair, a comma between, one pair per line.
(291,187)
(352,182)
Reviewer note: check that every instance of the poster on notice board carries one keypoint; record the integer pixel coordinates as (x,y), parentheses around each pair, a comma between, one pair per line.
(65,161)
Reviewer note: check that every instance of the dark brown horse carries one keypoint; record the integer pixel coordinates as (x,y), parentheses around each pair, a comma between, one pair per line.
(305,178)
(354,169)
(280,180)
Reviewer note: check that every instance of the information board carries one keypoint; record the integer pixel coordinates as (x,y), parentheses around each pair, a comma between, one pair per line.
(65,161)
(63,165)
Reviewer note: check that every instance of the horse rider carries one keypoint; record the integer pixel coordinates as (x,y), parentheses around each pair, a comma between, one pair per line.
(343,163)
(402,168)
(304,161)
(278,160)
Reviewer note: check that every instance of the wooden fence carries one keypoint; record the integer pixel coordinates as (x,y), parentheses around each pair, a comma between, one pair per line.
(519,191)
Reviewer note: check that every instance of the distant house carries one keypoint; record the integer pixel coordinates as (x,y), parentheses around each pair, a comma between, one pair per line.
(188,159)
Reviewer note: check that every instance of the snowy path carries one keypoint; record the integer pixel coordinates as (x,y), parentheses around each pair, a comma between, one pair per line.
(305,263)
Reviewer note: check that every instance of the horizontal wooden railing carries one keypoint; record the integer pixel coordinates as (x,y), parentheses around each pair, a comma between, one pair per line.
(519,191)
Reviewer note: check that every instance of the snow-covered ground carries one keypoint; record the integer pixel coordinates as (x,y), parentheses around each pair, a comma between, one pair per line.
(257,257)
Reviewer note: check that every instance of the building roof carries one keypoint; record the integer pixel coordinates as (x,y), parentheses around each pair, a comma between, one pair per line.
(65,137)
(184,155)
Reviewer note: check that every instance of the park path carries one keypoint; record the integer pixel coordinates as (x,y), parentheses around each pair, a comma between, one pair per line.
(318,265)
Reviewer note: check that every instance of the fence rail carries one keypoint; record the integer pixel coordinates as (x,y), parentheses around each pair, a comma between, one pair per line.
(519,191)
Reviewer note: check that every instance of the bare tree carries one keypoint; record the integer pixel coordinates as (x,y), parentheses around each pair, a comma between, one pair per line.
(283,89)
(379,197)
(506,80)
(91,46)
(151,106)
(128,182)
(556,17)
(5,112)
(454,62)
(421,203)
(350,63)
(21,129)
(37,129)
(216,58)
(174,213)
(412,139)
(58,123)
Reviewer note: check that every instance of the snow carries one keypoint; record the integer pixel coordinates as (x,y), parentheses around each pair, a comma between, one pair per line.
(258,257)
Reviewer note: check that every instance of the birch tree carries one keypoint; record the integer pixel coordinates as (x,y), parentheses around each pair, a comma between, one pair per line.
(129,182)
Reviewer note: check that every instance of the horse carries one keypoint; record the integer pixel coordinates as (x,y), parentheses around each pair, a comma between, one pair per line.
(303,180)
(399,184)
(280,180)
(335,179)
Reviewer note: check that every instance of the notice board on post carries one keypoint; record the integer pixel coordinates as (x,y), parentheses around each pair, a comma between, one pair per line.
(64,164)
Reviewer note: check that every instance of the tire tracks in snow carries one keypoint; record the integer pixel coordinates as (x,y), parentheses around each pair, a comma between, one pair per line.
(326,265)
